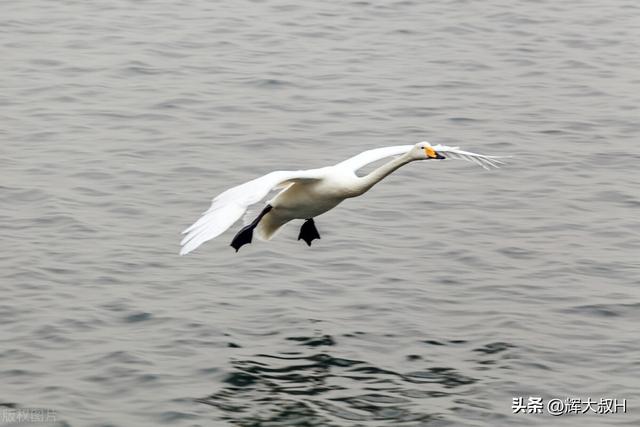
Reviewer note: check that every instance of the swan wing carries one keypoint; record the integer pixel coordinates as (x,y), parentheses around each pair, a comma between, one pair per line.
(230,205)
(487,162)
(356,162)
(370,156)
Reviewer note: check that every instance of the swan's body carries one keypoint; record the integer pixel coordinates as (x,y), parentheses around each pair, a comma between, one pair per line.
(309,193)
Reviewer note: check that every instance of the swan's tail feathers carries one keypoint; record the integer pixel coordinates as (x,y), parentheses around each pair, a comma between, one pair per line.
(269,226)
(211,224)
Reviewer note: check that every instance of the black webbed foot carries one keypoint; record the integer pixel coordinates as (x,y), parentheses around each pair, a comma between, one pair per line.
(243,237)
(245,234)
(308,232)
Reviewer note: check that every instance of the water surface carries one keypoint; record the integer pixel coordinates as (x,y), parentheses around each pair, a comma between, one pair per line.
(432,301)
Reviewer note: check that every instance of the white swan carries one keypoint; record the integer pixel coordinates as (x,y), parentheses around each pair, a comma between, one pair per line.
(306,194)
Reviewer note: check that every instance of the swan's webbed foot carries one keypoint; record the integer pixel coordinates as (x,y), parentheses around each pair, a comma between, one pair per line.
(308,232)
(243,237)
(245,234)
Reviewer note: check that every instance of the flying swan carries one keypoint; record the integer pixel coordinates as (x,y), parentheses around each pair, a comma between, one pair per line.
(305,194)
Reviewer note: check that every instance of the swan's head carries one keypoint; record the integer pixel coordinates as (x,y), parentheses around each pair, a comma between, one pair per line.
(424,151)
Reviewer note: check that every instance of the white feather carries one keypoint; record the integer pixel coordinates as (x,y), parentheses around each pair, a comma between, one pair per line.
(356,162)
(230,205)
(366,157)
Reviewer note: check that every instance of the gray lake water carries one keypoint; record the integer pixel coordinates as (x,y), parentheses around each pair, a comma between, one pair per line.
(433,300)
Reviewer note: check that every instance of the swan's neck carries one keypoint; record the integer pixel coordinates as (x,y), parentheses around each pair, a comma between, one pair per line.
(368,181)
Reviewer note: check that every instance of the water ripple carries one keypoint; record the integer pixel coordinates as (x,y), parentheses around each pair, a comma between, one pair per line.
(322,389)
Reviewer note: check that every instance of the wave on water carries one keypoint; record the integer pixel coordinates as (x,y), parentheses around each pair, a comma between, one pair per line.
(319,388)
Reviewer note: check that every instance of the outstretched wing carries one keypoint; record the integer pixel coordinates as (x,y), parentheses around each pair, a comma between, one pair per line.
(480,159)
(370,156)
(229,206)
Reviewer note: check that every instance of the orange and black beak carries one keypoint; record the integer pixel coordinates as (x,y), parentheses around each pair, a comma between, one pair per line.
(432,154)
